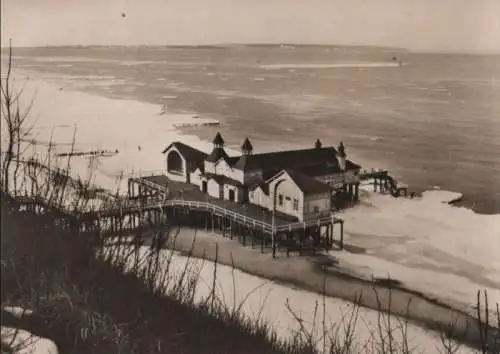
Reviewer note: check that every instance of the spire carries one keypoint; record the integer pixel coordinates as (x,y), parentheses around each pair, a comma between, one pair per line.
(218,141)
(317,144)
(246,147)
(341,150)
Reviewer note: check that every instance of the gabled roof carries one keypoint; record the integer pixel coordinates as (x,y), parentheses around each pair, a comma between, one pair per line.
(263,185)
(287,159)
(193,156)
(350,165)
(216,154)
(306,184)
(220,179)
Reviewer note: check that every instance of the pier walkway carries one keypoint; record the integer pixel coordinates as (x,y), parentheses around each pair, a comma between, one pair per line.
(160,199)
(384,182)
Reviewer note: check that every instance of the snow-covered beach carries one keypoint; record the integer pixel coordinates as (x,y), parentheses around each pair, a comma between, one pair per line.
(429,246)
(279,305)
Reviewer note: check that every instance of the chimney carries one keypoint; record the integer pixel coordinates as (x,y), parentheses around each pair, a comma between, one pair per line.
(317,144)
(341,155)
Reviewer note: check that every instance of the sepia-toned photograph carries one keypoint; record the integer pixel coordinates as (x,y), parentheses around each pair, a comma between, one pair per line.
(250,176)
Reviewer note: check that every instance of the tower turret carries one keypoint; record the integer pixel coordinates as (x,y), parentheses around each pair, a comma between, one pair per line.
(218,141)
(341,156)
(218,150)
(246,147)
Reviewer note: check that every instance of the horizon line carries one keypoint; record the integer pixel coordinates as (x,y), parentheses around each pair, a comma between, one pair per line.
(236,44)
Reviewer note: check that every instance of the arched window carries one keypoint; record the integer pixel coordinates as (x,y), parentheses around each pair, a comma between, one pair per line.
(174,163)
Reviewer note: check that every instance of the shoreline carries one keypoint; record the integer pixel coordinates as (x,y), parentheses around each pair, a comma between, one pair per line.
(302,274)
(157,132)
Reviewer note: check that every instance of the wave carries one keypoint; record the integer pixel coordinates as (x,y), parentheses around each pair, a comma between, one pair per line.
(331,65)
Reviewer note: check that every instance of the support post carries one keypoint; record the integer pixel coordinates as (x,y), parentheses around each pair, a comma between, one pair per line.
(231,228)
(342,235)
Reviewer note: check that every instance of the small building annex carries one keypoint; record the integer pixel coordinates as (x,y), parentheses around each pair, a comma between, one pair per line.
(299,183)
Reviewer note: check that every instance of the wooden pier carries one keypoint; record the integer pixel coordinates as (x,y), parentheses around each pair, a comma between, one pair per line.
(154,201)
(384,183)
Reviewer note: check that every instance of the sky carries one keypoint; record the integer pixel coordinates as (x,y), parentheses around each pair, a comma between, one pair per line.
(418,25)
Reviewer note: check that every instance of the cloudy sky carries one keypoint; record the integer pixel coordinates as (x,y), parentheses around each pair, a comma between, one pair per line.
(423,25)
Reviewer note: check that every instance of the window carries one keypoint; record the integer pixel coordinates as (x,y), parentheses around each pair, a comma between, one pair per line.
(288,199)
(295,204)
(316,209)
(280,199)
(251,194)
(174,163)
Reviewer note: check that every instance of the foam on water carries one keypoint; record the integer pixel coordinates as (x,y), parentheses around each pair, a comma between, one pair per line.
(330,65)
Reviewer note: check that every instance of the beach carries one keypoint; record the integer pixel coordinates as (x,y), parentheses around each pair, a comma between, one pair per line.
(444,252)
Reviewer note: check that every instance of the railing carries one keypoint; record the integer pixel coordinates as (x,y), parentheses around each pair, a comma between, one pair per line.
(128,205)
(160,202)
(150,184)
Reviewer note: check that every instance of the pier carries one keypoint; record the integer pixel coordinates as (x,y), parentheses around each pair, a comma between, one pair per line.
(155,200)
(384,182)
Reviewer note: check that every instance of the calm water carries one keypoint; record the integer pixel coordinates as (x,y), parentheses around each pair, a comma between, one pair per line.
(434,121)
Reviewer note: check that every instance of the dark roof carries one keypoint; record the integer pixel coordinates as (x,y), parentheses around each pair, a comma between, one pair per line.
(288,159)
(240,163)
(263,185)
(216,154)
(247,145)
(327,168)
(307,184)
(349,165)
(193,156)
(218,139)
(320,170)
(220,179)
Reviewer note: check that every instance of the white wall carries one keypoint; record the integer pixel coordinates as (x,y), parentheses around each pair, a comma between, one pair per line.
(222,168)
(195,178)
(213,189)
(209,167)
(258,197)
(287,188)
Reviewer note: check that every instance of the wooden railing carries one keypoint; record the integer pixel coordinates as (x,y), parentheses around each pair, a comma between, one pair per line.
(150,184)
(160,202)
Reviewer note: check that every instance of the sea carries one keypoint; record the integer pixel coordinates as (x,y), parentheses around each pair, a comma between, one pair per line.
(432,119)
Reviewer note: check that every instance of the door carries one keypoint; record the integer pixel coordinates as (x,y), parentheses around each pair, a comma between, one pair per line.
(231,195)
(204,186)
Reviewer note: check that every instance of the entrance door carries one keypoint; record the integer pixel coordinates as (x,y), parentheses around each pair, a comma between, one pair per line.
(231,195)
(204,187)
